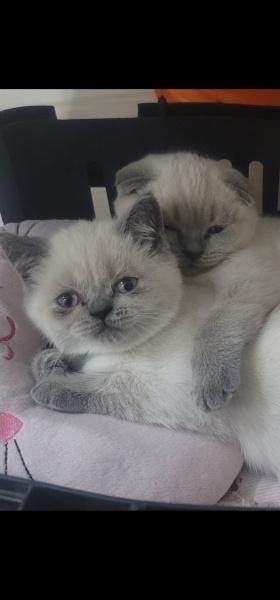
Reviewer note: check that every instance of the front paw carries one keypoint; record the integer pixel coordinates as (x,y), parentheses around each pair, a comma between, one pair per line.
(215,385)
(48,362)
(54,395)
(42,394)
(49,394)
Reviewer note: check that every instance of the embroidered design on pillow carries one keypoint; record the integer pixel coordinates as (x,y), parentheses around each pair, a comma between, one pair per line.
(6,349)
(9,428)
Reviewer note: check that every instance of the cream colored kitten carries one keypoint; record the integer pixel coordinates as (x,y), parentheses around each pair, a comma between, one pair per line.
(212,225)
(111,295)
(209,206)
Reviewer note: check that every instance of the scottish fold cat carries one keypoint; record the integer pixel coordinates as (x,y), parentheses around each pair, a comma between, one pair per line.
(112,299)
(212,225)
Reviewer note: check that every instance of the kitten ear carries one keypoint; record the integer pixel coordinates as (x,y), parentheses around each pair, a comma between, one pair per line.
(24,252)
(133,178)
(144,222)
(240,184)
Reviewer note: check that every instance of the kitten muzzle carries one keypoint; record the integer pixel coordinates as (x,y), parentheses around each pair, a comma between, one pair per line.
(193,247)
(101,313)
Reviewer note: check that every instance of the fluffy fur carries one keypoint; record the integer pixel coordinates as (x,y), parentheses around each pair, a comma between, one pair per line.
(135,342)
(212,225)
(196,194)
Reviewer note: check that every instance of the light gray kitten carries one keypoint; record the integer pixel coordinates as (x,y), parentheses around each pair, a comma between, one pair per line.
(211,222)
(111,294)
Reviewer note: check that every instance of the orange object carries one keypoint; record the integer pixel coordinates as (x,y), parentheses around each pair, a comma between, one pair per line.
(262,97)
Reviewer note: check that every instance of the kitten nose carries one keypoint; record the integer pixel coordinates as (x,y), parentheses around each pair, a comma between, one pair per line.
(102,312)
(193,249)
(192,254)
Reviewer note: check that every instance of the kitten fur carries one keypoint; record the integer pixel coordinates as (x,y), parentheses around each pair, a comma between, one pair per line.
(212,225)
(135,345)
(195,194)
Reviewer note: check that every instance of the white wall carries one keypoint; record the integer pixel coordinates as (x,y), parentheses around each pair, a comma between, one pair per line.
(80,104)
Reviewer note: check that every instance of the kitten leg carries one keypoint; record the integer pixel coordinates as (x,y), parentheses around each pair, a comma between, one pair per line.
(100,394)
(218,348)
(235,321)
(117,395)
(216,361)
(52,394)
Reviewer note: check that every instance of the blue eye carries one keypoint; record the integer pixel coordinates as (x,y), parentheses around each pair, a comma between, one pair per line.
(126,285)
(68,300)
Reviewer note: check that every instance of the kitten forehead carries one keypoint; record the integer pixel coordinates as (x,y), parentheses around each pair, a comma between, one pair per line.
(185,181)
(88,253)
(193,182)
(178,210)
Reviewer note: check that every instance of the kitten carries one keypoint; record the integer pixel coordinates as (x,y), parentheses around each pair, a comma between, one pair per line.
(111,294)
(212,225)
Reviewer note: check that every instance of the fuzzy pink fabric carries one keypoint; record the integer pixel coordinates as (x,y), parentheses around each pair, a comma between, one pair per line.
(95,453)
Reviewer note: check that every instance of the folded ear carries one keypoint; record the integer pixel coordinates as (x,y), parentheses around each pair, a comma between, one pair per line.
(135,177)
(144,222)
(240,184)
(25,253)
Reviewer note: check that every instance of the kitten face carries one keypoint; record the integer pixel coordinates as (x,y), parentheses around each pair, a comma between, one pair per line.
(97,287)
(208,208)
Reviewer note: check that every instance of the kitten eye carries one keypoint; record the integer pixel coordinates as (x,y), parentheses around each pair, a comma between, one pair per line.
(170,228)
(127,284)
(68,300)
(214,229)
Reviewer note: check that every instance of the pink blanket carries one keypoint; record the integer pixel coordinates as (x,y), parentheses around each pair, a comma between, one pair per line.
(97,453)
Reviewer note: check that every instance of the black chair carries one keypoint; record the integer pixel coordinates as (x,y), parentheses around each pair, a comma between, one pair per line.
(47,166)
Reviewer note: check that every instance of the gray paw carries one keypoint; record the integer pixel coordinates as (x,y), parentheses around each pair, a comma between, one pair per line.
(47,393)
(215,385)
(55,396)
(48,362)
